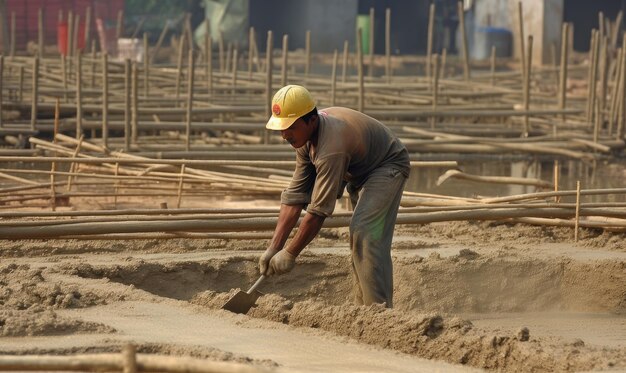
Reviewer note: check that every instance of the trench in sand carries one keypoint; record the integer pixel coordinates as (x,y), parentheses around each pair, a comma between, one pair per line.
(508,292)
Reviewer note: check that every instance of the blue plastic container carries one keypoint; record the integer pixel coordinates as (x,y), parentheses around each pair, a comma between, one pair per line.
(486,37)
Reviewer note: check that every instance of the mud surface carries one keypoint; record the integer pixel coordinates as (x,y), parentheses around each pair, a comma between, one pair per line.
(483,295)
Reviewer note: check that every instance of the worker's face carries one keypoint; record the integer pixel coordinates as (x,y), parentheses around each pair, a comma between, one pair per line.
(299,132)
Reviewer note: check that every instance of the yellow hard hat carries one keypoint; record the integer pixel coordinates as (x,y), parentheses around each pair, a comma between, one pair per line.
(289,103)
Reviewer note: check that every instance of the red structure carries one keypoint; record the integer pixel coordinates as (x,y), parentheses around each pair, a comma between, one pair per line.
(26,19)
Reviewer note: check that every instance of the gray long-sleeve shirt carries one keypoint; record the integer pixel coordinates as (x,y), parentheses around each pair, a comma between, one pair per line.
(350,145)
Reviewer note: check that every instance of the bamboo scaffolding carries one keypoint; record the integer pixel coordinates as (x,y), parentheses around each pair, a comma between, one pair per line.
(269,223)
(475,109)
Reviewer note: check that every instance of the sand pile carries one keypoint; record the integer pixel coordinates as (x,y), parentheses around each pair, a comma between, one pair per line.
(39,321)
(28,301)
(428,335)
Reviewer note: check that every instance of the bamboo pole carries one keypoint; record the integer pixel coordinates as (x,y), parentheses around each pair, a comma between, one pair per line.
(75,48)
(607,226)
(601,26)
(178,235)
(268,79)
(4,28)
(359,53)
(444,56)
(187,30)
(20,94)
(129,358)
(116,185)
(53,166)
(344,65)
(333,80)
(146,212)
(35,96)
(70,228)
(221,51)
(307,49)
(79,95)
(146,66)
(179,68)
(105,100)
(591,94)
(388,44)
(179,197)
(175,162)
(283,76)
(127,107)
(555,63)
(464,47)
(522,38)
(433,119)
(88,26)
(493,179)
(12,42)
(615,31)
(622,95)
(64,76)
(115,362)
(493,65)
(255,53)
(74,166)
(430,35)
(94,62)
(563,75)
(209,66)
(190,73)
(527,75)
(616,93)
(18,179)
(557,171)
(577,210)
(603,61)
(40,33)
(371,38)
(250,51)
(70,33)
(1,89)
(597,121)
(229,50)
(134,112)
(234,71)
(119,29)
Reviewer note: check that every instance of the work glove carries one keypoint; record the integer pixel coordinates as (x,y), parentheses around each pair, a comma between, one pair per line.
(281,263)
(264,260)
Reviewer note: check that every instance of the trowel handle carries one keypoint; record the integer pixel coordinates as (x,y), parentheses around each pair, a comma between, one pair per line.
(256,284)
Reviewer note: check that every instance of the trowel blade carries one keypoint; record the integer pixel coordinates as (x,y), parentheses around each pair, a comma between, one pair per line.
(242,301)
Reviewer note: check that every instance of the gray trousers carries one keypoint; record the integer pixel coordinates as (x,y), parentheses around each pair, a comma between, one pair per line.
(375,207)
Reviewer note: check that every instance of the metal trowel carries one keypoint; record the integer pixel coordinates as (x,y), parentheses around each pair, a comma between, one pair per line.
(244,300)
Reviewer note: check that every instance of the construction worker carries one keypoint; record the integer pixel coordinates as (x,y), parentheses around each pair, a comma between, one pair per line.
(336,147)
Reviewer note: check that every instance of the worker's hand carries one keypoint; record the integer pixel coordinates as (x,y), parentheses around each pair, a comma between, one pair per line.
(282,262)
(264,260)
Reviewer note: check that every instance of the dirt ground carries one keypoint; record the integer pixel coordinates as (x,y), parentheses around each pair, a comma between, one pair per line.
(468,296)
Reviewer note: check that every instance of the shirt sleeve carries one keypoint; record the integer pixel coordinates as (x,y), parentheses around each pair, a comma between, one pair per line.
(328,183)
(301,185)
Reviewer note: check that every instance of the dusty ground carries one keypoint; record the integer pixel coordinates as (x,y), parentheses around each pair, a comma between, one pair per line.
(468,295)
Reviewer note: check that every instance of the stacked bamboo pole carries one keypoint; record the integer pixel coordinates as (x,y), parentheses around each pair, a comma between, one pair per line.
(518,113)
(127,361)
(376,96)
